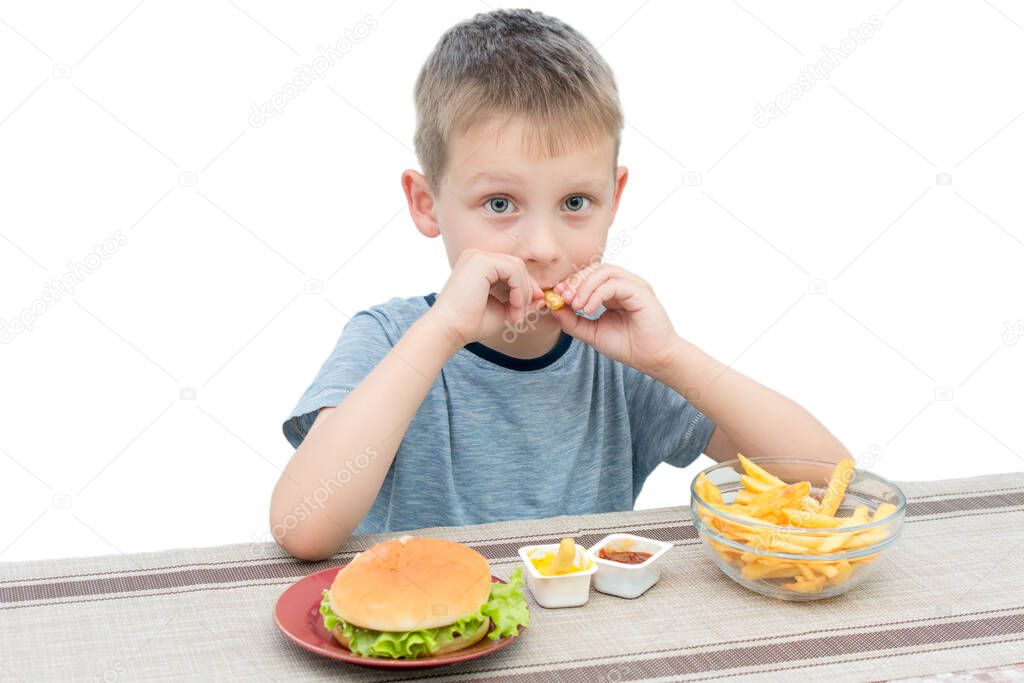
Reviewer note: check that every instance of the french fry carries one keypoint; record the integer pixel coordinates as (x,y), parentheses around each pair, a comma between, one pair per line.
(775,499)
(809,520)
(776,518)
(757,572)
(843,570)
(860,516)
(708,491)
(752,485)
(865,539)
(841,477)
(758,472)
(883,511)
(756,485)
(553,300)
(729,527)
(828,570)
(810,504)
(832,543)
(564,557)
(698,485)
(767,542)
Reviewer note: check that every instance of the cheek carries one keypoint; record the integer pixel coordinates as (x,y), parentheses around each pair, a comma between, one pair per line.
(585,246)
(475,230)
(468,230)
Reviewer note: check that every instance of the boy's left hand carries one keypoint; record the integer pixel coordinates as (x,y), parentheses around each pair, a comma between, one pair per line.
(634,329)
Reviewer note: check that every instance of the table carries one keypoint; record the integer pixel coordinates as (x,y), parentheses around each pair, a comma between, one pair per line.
(949,598)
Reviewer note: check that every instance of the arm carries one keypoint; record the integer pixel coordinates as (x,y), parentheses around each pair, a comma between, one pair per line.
(749,417)
(307,518)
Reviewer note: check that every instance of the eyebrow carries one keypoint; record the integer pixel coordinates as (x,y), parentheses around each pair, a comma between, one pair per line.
(487,176)
(591,184)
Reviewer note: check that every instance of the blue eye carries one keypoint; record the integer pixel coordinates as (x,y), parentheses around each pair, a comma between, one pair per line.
(499,205)
(576,203)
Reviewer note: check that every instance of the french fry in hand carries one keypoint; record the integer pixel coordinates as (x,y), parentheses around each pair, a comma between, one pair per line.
(553,299)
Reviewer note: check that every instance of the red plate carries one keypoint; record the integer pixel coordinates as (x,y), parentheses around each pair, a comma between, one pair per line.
(297,614)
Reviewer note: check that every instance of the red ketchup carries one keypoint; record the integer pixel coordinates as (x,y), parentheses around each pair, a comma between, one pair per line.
(623,556)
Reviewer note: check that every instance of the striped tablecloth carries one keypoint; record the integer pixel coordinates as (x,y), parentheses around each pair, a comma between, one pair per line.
(949,598)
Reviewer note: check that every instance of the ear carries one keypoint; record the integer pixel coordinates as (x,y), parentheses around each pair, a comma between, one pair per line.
(421,202)
(621,176)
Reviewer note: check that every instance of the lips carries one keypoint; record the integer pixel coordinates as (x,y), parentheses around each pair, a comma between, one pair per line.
(551,285)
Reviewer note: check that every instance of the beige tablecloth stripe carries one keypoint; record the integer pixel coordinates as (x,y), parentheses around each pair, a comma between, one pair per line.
(950,597)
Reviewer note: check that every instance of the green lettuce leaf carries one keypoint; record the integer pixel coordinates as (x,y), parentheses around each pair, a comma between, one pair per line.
(505,607)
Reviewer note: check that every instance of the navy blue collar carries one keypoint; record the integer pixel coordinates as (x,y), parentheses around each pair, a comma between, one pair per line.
(511,362)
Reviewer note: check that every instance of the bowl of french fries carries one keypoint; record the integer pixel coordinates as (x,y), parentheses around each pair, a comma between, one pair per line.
(796,528)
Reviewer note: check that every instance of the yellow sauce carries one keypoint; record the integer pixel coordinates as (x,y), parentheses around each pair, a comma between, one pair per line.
(542,563)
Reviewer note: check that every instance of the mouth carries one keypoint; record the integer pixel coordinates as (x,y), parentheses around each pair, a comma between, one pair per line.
(551,285)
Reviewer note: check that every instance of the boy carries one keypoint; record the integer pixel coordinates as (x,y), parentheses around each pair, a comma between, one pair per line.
(480,403)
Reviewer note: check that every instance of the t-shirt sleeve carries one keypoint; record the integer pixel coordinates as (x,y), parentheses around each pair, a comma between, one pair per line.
(363,343)
(664,426)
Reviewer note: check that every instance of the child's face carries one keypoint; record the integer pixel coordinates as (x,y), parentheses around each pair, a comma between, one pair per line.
(554,213)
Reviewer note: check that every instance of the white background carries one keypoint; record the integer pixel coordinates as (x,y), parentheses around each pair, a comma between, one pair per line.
(820,254)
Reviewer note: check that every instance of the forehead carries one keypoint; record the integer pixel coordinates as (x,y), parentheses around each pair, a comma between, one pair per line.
(495,151)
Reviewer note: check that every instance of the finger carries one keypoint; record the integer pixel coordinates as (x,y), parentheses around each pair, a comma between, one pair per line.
(505,270)
(576,325)
(537,300)
(622,292)
(521,288)
(533,294)
(587,287)
(568,286)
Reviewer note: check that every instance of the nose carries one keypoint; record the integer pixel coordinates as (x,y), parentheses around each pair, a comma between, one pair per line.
(540,242)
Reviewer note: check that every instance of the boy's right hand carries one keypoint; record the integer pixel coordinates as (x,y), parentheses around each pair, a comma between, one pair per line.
(485,291)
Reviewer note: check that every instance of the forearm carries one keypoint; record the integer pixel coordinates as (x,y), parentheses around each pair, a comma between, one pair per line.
(759,421)
(333,478)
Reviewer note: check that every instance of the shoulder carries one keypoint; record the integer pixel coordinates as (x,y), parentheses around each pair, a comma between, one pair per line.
(395,316)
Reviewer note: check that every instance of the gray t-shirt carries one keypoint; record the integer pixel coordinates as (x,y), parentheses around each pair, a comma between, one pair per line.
(496,437)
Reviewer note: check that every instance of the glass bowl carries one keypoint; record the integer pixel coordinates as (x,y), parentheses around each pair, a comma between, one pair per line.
(786,559)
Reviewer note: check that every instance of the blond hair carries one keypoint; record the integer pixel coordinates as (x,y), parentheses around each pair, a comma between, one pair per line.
(514,63)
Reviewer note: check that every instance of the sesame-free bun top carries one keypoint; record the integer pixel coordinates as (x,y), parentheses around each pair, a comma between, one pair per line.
(408,583)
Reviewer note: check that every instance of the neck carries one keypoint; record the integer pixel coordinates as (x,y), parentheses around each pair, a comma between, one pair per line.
(532,342)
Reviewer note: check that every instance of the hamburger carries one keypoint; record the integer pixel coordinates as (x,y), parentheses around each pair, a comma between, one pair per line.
(418,597)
